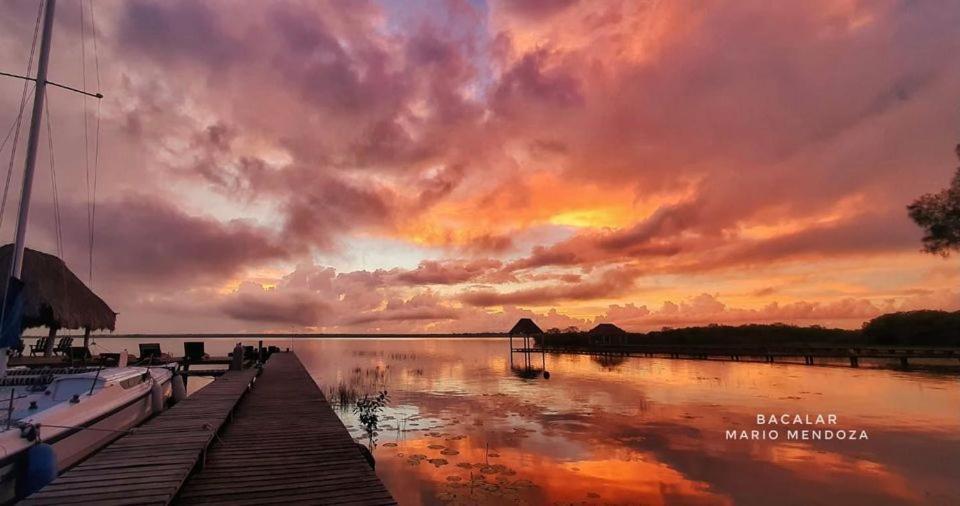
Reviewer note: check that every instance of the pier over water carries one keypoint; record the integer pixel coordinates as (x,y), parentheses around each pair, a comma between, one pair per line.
(285,445)
(243,439)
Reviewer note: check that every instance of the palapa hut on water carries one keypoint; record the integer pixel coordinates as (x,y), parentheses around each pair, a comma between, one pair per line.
(607,333)
(525,328)
(54,297)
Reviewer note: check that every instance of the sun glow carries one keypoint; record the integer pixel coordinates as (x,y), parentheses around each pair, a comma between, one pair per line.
(543,198)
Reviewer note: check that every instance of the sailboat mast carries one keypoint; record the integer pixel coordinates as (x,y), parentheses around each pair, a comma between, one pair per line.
(16,266)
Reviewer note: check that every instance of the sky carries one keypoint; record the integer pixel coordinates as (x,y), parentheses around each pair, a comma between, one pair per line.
(454,165)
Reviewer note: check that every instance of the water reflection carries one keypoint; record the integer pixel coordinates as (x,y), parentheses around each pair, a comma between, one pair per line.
(529,366)
(609,362)
(462,427)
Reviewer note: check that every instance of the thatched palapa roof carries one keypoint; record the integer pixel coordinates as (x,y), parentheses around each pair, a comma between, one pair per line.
(525,327)
(607,329)
(54,296)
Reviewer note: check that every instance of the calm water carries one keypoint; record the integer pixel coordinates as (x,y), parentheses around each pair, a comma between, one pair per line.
(462,428)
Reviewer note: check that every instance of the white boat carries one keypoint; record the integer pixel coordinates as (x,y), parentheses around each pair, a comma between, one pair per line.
(75,414)
(56,419)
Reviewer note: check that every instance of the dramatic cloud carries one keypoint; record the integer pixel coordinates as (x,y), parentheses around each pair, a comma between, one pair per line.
(249,304)
(388,166)
(613,283)
(706,308)
(450,272)
(140,239)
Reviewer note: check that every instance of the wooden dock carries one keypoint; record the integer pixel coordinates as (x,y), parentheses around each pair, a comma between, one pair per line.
(150,464)
(810,354)
(40,361)
(281,442)
(286,445)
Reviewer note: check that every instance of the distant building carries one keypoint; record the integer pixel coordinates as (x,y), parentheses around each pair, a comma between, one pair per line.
(607,334)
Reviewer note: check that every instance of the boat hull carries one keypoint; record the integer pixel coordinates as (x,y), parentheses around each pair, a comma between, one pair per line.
(74,446)
(73,442)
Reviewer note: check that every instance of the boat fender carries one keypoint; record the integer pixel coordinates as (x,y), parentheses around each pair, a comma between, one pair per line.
(179,389)
(41,467)
(156,397)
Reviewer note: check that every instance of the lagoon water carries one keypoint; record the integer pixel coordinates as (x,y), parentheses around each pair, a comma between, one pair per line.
(462,427)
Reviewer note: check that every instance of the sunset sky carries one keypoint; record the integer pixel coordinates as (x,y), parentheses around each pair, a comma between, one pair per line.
(454,165)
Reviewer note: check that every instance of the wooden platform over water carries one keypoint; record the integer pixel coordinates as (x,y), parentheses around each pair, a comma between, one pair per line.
(228,443)
(149,465)
(810,354)
(63,361)
(286,445)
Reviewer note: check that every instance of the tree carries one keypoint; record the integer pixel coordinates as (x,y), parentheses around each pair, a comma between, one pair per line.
(938,214)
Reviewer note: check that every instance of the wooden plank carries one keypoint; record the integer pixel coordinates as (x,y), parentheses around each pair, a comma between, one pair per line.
(150,464)
(283,443)
(269,453)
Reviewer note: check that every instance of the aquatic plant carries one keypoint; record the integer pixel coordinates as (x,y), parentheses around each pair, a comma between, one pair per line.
(357,384)
(368,412)
(342,395)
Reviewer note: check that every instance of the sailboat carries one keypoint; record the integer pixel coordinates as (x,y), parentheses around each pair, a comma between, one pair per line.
(54,423)
(57,417)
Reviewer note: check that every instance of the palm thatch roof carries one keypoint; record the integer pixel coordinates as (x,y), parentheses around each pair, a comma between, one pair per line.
(607,329)
(54,296)
(525,327)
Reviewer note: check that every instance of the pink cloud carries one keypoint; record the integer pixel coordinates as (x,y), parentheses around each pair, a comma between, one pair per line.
(279,134)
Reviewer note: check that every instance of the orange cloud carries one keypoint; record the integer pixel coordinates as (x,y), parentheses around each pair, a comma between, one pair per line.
(523,149)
